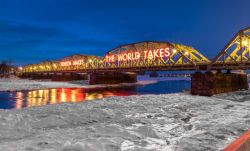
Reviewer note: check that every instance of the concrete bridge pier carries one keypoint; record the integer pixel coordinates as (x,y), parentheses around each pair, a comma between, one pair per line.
(24,75)
(112,78)
(210,83)
(69,76)
(40,76)
(35,76)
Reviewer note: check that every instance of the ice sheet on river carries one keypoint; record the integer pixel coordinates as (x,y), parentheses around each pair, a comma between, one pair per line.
(178,122)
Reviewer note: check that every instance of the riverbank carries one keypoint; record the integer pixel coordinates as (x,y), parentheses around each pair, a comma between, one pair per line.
(168,122)
(15,84)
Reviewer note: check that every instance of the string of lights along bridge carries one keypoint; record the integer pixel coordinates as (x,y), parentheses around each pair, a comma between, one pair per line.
(153,55)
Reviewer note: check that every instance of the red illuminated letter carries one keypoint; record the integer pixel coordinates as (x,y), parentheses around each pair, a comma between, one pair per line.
(167,53)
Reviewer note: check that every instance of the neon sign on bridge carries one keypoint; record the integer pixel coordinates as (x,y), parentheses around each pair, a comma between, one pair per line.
(72,62)
(136,55)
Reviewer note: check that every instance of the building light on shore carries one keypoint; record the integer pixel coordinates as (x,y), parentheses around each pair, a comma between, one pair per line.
(90,60)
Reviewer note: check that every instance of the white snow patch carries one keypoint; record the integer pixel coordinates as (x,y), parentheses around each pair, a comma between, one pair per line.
(127,145)
(155,144)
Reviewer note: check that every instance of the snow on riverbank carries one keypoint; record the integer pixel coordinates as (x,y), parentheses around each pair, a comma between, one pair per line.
(177,122)
(14,84)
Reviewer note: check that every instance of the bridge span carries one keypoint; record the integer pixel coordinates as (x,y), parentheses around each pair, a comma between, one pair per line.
(148,56)
(154,55)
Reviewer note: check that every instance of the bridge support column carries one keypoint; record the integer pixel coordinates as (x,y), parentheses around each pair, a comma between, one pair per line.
(69,76)
(112,78)
(153,74)
(24,75)
(209,83)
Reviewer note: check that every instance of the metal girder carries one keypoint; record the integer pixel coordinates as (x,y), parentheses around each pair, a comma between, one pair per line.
(236,52)
(145,56)
(74,62)
(150,55)
(179,55)
(191,54)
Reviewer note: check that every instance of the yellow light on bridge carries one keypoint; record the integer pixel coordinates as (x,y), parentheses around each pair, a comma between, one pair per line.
(174,51)
(54,65)
(245,43)
(90,60)
(186,53)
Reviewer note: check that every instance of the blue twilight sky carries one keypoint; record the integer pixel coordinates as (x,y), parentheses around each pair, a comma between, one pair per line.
(36,30)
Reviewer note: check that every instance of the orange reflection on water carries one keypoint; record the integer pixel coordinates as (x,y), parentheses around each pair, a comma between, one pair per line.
(61,95)
(19,100)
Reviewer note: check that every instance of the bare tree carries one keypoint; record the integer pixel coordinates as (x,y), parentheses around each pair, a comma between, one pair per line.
(5,69)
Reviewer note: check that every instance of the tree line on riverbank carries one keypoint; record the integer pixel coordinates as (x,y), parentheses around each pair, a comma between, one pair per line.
(5,69)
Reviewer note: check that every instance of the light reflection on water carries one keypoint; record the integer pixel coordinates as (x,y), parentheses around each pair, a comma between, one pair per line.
(30,98)
(61,95)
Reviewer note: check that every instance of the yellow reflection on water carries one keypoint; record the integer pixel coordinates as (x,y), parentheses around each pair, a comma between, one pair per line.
(45,97)
(53,96)
(63,96)
(93,95)
(73,95)
(40,93)
(38,102)
(34,93)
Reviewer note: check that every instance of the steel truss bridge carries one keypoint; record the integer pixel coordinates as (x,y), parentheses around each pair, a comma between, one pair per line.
(153,55)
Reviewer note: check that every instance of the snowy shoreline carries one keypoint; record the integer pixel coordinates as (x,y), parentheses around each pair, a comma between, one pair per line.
(150,123)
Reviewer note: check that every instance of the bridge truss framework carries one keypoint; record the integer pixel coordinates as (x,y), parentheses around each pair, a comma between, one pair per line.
(153,55)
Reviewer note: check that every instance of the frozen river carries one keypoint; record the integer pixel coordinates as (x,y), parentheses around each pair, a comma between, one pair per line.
(169,122)
(39,97)
(150,119)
